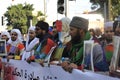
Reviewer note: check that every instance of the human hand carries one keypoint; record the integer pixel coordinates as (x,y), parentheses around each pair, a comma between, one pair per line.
(71,67)
(31,59)
(64,64)
(74,66)
(9,57)
(111,68)
(40,61)
(68,66)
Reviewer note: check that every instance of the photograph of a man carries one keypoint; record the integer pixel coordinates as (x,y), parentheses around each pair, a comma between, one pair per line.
(2,47)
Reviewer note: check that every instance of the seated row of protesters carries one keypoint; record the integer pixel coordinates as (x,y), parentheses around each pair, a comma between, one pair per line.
(39,43)
(16,48)
(111,30)
(14,43)
(79,33)
(106,40)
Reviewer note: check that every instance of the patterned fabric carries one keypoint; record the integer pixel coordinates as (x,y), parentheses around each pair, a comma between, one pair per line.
(57,53)
(15,50)
(44,47)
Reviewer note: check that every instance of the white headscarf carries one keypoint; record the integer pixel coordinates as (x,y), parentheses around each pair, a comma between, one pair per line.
(19,37)
(32,28)
(5,33)
(65,30)
(108,24)
(65,24)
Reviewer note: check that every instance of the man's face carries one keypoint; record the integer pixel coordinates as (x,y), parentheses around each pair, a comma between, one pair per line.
(14,36)
(54,30)
(75,35)
(109,33)
(31,34)
(98,32)
(38,32)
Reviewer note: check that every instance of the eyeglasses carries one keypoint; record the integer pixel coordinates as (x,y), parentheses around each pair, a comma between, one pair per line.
(14,34)
(37,29)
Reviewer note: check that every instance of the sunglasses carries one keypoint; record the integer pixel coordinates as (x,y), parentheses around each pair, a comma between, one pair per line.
(14,34)
(37,29)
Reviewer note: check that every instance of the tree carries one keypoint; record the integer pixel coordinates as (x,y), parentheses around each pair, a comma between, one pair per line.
(18,16)
(114,9)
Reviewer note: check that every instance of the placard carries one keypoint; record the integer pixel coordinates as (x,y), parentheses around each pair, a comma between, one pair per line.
(21,70)
(3,51)
(116,56)
(88,55)
(115,61)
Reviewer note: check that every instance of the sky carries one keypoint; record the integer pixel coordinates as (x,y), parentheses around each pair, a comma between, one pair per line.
(75,7)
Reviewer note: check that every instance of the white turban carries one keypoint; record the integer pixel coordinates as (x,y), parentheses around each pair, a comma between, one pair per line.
(108,24)
(32,28)
(33,42)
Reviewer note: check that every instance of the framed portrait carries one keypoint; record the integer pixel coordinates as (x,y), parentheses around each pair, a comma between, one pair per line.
(118,57)
(115,61)
(88,55)
(3,51)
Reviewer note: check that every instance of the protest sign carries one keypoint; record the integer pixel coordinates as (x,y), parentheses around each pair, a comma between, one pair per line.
(21,70)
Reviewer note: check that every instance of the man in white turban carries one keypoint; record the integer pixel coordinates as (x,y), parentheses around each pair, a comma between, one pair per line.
(31,42)
(108,43)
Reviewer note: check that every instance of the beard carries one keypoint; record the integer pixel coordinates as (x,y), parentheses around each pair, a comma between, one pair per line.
(76,39)
(109,40)
(39,35)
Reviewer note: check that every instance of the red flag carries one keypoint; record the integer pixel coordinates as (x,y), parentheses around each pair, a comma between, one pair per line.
(59,25)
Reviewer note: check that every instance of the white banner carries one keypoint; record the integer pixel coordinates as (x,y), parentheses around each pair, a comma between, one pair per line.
(21,70)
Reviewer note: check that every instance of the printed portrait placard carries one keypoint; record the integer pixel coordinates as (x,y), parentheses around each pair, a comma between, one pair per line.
(88,55)
(115,61)
(3,48)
